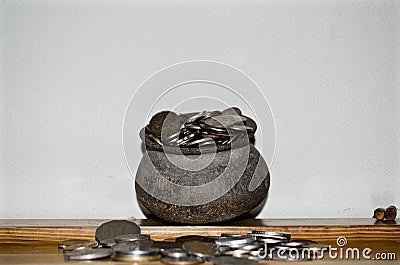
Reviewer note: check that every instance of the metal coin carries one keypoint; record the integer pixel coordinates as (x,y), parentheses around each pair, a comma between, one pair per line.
(157,121)
(253,246)
(230,235)
(153,136)
(199,249)
(235,241)
(135,258)
(107,243)
(175,253)
(232,111)
(235,252)
(115,228)
(80,246)
(182,261)
(65,243)
(201,141)
(273,234)
(127,247)
(224,121)
(131,238)
(271,240)
(226,260)
(88,254)
(196,117)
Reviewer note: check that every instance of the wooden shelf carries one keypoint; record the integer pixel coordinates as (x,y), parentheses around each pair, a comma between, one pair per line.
(35,241)
(14,230)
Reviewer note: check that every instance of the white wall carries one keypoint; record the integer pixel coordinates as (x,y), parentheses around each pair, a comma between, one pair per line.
(329,69)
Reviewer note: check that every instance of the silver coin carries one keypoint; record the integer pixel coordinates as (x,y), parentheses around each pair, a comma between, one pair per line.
(273,234)
(74,242)
(235,252)
(114,228)
(224,121)
(226,260)
(253,246)
(232,111)
(139,251)
(235,241)
(135,258)
(191,126)
(196,117)
(128,247)
(174,253)
(230,235)
(199,249)
(201,141)
(88,254)
(182,261)
(241,128)
(107,243)
(187,138)
(153,137)
(271,241)
(131,238)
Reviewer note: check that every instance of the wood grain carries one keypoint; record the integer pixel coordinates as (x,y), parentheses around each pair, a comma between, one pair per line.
(16,230)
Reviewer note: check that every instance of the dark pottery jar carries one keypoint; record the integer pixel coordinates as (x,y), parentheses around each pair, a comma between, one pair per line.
(196,185)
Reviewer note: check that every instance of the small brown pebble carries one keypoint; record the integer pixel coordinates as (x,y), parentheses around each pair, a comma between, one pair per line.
(391,213)
(379,214)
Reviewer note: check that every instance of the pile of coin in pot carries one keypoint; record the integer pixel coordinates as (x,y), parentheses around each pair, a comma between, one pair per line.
(193,249)
(199,129)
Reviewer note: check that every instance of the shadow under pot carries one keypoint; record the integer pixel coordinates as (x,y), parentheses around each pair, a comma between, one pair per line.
(200,185)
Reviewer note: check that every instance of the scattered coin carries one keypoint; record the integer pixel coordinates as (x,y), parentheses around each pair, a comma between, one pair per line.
(191,249)
(107,243)
(235,241)
(175,253)
(199,249)
(66,243)
(270,234)
(137,254)
(128,246)
(80,246)
(88,254)
(115,228)
(131,238)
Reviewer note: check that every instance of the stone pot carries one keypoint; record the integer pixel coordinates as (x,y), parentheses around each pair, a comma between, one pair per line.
(200,186)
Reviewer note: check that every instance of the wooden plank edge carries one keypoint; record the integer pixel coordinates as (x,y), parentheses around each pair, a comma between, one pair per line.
(163,232)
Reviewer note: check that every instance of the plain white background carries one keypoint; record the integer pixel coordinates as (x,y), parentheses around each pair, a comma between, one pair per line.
(329,69)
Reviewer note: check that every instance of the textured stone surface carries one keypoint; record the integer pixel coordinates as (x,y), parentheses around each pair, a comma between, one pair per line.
(244,198)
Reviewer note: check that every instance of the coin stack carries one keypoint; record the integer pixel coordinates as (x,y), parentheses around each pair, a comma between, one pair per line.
(194,249)
(205,128)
